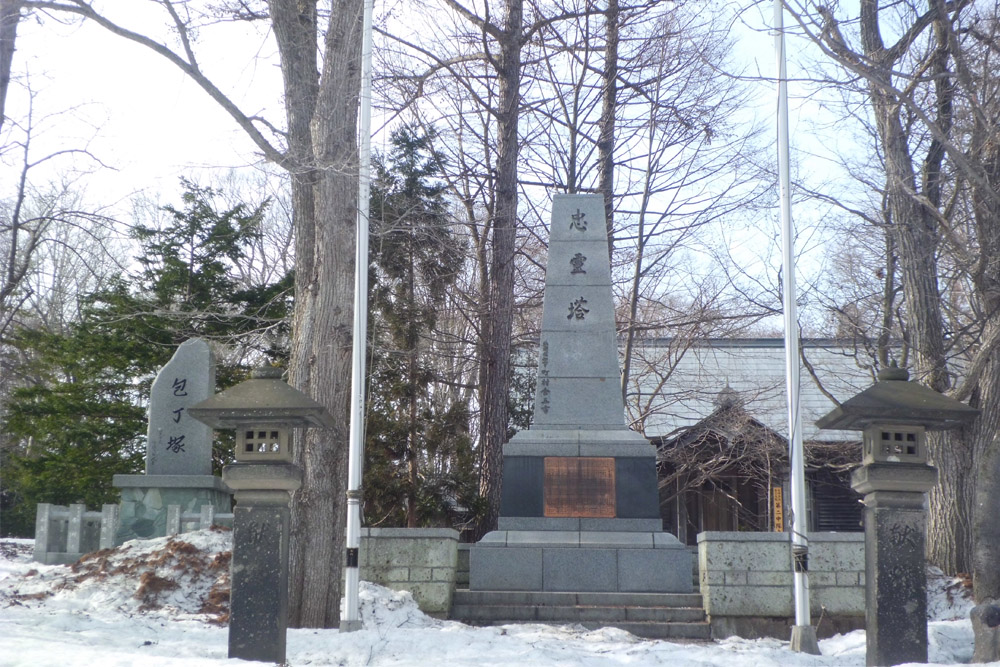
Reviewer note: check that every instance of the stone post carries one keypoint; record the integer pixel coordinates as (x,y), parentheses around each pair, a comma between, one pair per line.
(74,531)
(262,410)
(109,525)
(896,590)
(258,617)
(44,538)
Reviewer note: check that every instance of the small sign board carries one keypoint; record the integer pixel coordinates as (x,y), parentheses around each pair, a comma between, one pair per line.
(778,509)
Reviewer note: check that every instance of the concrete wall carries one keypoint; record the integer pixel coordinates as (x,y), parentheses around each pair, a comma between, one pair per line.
(420,560)
(746,582)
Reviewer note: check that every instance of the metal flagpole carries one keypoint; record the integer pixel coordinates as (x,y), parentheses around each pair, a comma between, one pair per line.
(350,619)
(803,634)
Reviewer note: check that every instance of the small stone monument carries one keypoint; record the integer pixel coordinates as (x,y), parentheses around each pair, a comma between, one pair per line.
(894,416)
(178,449)
(579,508)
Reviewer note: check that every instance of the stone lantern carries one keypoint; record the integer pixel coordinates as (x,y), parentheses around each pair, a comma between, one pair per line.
(894,416)
(263,411)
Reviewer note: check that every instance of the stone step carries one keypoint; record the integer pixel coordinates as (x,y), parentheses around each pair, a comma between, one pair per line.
(650,615)
(577,614)
(692,632)
(556,598)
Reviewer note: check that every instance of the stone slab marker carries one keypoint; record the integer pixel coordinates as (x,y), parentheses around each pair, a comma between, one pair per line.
(579,505)
(176,444)
(178,449)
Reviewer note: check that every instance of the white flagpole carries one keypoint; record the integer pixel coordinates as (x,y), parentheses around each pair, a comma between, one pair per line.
(803,634)
(351,620)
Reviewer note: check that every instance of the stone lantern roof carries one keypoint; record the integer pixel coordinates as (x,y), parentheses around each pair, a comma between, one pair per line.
(263,399)
(896,400)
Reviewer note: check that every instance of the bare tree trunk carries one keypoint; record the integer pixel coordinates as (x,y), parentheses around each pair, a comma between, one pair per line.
(10,14)
(322,127)
(916,238)
(497,328)
(606,124)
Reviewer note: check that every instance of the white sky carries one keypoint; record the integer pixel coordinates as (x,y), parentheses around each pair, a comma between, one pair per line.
(143,116)
(134,111)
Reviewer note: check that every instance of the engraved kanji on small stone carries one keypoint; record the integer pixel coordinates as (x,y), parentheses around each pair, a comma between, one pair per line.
(577,263)
(180,386)
(577,309)
(176,444)
(579,221)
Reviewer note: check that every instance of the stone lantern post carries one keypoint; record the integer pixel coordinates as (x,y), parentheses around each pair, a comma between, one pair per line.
(263,411)
(894,416)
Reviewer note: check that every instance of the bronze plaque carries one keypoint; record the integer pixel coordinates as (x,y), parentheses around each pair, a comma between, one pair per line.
(579,487)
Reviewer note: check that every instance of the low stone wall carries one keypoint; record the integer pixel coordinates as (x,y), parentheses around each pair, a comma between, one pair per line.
(64,534)
(747,590)
(420,560)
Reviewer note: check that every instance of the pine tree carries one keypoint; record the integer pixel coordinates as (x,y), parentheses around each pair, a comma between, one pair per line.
(80,419)
(418,450)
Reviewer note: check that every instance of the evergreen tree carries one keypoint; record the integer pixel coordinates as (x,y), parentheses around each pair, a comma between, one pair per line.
(80,418)
(418,452)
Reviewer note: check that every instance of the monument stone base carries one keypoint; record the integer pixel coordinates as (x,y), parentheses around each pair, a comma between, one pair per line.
(580,561)
(145,498)
(625,550)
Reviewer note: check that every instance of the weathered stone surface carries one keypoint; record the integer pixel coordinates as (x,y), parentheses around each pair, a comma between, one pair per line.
(505,569)
(749,575)
(145,498)
(578,375)
(258,617)
(177,444)
(422,561)
(986,629)
(897,586)
(530,564)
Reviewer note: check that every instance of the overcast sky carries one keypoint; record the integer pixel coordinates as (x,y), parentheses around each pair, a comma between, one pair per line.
(132,110)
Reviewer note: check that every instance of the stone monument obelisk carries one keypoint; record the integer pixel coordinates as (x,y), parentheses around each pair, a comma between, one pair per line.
(579,508)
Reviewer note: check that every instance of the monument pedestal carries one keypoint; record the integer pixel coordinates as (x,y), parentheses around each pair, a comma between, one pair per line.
(145,498)
(580,561)
(580,512)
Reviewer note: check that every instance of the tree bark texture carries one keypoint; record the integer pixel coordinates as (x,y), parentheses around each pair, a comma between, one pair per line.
(321,109)
(916,238)
(10,14)
(497,328)
(606,140)
(985,149)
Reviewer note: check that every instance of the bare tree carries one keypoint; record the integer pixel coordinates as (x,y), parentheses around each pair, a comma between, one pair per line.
(930,80)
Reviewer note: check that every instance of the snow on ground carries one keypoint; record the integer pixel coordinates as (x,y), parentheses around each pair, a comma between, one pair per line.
(163,602)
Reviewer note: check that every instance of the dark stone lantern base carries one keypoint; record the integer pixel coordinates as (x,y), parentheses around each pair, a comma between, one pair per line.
(896,590)
(258,618)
